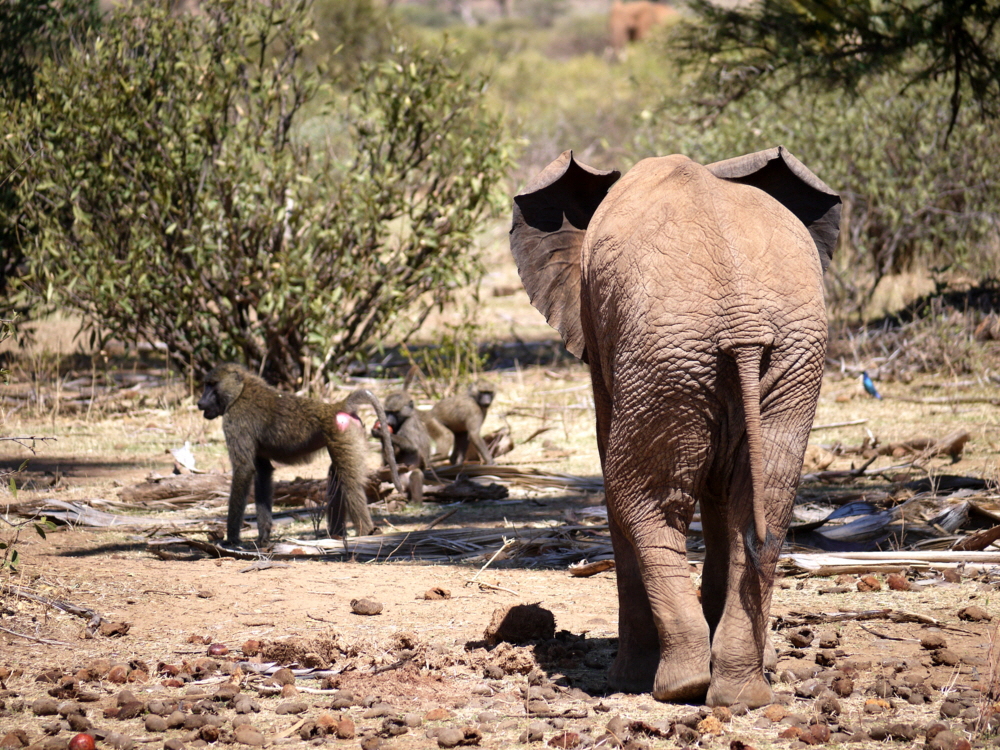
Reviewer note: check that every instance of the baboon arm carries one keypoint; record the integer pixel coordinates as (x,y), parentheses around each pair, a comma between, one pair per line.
(484,451)
(363,395)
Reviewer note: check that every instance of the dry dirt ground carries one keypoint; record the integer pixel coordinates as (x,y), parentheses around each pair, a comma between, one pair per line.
(419,674)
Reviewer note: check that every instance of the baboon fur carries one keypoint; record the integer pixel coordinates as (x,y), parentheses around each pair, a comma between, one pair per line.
(463,415)
(410,441)
(262,424)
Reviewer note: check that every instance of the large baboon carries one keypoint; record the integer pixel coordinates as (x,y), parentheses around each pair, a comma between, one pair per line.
(410,441)
(464,415)
(262,424)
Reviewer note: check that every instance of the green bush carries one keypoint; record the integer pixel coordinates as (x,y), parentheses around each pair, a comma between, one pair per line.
(178,201)
(911,200)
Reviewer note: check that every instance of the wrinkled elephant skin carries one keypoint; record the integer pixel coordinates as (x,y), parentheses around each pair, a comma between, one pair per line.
(696,295)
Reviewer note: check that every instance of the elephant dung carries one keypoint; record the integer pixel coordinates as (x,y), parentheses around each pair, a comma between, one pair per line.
(519,624)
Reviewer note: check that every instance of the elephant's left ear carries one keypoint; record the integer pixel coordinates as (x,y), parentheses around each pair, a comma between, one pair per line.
(550,221)
(790,182)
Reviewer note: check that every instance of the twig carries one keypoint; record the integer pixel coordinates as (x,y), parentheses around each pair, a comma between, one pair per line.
(820,476)
(439,519)
(837,424)
(887,637)
(395,665)
(492,587)
(294,728)
(89,614)
(314,617)
(506,543)
(46,641)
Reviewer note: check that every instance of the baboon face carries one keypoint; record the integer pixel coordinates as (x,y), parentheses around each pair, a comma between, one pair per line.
(483,395)
(398,408)
(222,385)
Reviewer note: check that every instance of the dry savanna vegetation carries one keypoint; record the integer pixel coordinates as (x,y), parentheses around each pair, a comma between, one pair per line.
(281,203)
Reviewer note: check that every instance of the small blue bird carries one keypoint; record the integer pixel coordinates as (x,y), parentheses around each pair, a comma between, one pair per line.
(870,386)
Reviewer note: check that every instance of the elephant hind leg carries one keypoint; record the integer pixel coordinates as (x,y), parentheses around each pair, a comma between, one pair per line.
(634,668)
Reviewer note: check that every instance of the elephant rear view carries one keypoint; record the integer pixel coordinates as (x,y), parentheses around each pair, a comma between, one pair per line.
(696,296)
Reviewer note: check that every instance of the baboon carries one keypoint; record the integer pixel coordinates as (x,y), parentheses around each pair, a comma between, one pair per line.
(262,424)
(410,441)
(464,415)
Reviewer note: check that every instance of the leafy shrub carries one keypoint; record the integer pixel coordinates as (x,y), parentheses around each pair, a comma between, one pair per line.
(911,200)
(177,202)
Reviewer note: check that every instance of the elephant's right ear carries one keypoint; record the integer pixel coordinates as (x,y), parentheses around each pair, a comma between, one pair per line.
(790,182)
(550,222)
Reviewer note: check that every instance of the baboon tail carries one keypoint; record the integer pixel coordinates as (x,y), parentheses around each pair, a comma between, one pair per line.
(748,364)
(364,396)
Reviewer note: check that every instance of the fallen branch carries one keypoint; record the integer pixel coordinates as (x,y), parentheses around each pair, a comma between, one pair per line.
(94,619)
(46,641)
(887,637)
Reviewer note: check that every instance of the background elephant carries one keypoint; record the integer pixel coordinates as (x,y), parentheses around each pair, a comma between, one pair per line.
(696,296)
(630,22)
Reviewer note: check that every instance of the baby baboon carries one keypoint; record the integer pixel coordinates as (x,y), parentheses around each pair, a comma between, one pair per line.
(410,441)
(464,416)
(262,424)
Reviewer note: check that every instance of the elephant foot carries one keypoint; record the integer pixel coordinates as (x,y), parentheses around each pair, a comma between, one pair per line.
(770,655)
(677,688)
(753,693)
(633,670)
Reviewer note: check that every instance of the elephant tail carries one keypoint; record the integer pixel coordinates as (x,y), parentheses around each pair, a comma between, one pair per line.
(748,363)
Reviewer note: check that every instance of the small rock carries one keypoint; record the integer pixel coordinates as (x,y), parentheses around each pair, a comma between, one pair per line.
(974,613)
(828,639)
(933,641)
(842,686)
(828,706)
(876,706)
(952,575)
(131,711)
(247,735)
(450,737)
(565,740)
(345,729)
(801,638)
(438,714)
(118,674)
(437,593)
(775,712)
(291,707)
(156,723)
(176,719)
(209,733)
(723,714)
(173,744)
(45,707)
(950,709)
(898,582)
(868,583)
(119,741)
(284,676)
(378,711)
(534,733)
(366,607)
(945,657)
(15,739)
(373,742)
(79,723)
(948,740)
(709,725)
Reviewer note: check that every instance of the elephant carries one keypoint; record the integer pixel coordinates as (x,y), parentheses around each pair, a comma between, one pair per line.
(695,294)
(631,22)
